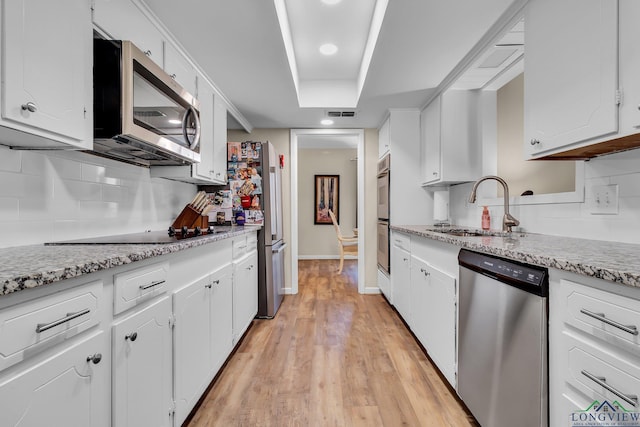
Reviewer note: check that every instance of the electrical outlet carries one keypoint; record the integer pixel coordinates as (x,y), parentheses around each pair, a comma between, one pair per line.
(604,199)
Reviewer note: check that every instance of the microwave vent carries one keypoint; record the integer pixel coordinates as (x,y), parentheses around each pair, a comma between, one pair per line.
(148,113)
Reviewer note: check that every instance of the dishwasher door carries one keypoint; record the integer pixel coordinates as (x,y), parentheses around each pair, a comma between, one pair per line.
(502,354)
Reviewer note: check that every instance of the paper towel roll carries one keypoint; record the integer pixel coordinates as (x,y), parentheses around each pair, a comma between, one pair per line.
(441,205)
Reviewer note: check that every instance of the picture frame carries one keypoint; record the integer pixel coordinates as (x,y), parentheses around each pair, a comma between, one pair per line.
(326,196)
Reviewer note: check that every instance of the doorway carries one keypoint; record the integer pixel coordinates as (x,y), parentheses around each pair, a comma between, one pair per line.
(353,137)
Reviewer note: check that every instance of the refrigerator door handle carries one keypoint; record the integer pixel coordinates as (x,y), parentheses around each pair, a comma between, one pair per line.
(278,248)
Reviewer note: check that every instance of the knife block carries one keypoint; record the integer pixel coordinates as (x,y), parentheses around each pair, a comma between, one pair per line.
(190,218)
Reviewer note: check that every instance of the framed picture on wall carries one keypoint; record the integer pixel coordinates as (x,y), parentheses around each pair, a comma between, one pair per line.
(326,197)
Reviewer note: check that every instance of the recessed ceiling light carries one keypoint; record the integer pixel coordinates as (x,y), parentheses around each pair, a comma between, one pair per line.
(174,121)
(331,2)
(328,49)
(326,122)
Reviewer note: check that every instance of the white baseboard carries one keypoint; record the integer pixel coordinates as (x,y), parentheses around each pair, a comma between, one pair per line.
(371,290)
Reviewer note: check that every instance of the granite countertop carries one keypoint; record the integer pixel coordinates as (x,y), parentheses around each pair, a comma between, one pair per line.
(25,267)
(616,262)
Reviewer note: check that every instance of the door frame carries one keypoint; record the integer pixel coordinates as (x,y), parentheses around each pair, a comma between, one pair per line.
(295,134)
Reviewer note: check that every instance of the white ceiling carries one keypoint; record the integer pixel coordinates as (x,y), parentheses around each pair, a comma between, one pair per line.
(239,45)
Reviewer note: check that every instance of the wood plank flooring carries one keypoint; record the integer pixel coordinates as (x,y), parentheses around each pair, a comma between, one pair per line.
(330,357)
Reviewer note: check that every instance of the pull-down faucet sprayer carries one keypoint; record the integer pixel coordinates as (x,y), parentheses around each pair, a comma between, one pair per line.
(508,221)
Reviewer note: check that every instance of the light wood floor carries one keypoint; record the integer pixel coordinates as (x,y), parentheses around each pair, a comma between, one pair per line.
(331,357)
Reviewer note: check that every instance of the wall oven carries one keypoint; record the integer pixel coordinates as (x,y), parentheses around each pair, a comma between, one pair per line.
(383,213)
(141,115)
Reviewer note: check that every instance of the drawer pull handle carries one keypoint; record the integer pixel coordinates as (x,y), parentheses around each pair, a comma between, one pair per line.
(602,381)
(132,336)
(41,327)
(151,285)
(632,329)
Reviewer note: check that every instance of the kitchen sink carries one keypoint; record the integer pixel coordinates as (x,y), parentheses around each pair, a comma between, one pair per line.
(475,233)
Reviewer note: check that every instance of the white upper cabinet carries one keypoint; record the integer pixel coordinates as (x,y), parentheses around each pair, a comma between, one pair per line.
(383,139)
(123,20)
(219,172)
(450,139)
(204,170)
(179,68)
(47,77)
(571,77)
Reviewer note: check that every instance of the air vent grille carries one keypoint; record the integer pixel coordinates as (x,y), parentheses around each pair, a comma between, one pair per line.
(334,114)
(148,113)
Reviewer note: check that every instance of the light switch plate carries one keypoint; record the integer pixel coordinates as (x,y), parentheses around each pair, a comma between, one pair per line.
(604,199)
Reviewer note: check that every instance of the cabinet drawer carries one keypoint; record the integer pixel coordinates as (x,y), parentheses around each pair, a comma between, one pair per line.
(133,287)
(401,240)
(252,242)
(239,246)
(610,317)
(600,374)
(33,326)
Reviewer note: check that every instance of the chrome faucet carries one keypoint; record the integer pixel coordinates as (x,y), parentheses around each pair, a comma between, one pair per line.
(508,221)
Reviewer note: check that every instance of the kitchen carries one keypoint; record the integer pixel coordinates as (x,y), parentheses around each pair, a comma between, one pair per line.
(56,195)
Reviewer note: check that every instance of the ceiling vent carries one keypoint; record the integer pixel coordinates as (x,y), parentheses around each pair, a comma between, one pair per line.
(334,114)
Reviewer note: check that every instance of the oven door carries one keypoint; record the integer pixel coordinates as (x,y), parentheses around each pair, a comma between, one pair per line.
(383,245)
(383,196)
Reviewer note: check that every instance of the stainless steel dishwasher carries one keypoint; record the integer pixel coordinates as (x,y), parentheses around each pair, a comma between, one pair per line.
(502,341)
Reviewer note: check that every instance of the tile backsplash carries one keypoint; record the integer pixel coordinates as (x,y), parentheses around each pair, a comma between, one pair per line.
(59,195)
(572,219)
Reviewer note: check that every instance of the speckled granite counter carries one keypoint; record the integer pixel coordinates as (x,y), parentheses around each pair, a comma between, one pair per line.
(24,267)
(616,262)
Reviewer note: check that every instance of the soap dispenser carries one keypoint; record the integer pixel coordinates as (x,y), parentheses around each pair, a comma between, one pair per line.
(486,218)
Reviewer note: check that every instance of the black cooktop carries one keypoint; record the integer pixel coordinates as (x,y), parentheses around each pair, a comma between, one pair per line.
(145,238)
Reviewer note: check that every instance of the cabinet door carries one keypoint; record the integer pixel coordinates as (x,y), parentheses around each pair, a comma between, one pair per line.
(47,74)
(192,349)
(440,328)
(122,20)
(141,392)
(571,73)
(384,139)
(430,123)
(204,169)
(419,299)
(245,294)
(177,66)
(62,390)
(221,317)
(401,278)
(219,140)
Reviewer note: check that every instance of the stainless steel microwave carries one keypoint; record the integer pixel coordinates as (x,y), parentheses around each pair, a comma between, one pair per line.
(141,114)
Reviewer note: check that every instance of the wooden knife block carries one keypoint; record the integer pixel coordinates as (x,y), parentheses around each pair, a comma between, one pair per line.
(190,218)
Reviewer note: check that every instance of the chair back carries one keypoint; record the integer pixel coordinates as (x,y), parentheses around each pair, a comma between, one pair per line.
(335,223)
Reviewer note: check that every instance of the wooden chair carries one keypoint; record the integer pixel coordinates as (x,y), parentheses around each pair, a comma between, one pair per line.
(348,245)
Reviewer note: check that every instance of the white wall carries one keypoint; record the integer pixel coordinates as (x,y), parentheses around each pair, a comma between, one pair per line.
(47,196)
(319,241)
(572,219)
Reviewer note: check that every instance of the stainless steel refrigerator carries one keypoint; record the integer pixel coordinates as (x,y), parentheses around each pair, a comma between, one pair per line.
(271,244)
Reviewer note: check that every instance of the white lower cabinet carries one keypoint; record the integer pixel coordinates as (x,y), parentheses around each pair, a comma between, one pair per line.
(245,293)
(202,337)
(401,274)
(142,357)
(594,348)
(69,388)
(433,314)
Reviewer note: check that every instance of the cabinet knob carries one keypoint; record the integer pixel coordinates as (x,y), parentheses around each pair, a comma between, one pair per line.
(208,285)
(95,358)
(30,106)
(173,76)
(535,141)
(132,336)
(148,53)
(435,174)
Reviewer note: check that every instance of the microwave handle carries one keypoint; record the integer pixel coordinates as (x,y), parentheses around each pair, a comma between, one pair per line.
(196,119)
